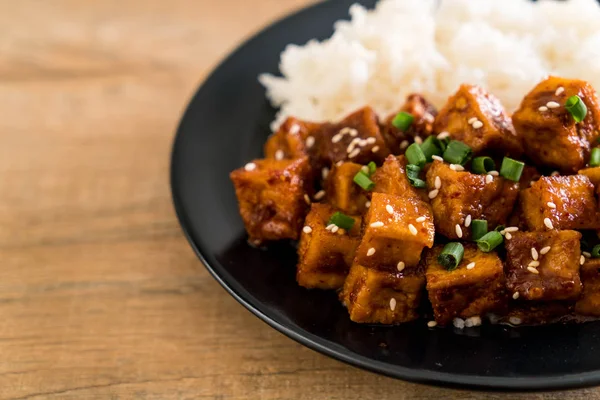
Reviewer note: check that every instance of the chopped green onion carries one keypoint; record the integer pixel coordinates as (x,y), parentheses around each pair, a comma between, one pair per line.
(576,107)
(490,241)
(479,228)
(431,147)
(362,180)
(511,169)
(415,155)
(595,157)
(412,173)
(444,144)
(457,152)
(372,167)
(403,121)
(451,255)
(418,183)
(596,251)
(341,220)
(483,165)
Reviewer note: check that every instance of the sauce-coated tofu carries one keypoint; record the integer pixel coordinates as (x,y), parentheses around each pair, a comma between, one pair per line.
(589,302)
(271,197)
(424,114)
(391,178)
(324,257)
(567,201)
(551,136)
(342,192)
(477,118)
(557,275)
(462,193)
(593,175)
(290,141)
(465,292)
(396,230)
(375,296)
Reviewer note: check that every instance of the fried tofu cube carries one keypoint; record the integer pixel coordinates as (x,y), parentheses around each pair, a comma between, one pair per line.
(537,312)
(467,291)
(391,178)
(375,296)
(396,230)
(477,118)
(290,141)
(589,302)
(272,197)
(462,194)
(555,273)
(342,192)
(324,257)
(424,114)
(568,202)
(550,135)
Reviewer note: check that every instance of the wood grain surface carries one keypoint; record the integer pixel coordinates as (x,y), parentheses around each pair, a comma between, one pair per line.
(100,294)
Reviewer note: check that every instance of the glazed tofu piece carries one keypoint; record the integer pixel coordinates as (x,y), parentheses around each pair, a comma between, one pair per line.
(474,288)
(384,297)
(342,192)
(462,193)
(424,114)
(396,230)
(272,197)
(477,118)
(391,178)
(292,140)
(589,302)
(537,312)
(550,135)
(593,174)
(554,275)
(560,202)
(324,257)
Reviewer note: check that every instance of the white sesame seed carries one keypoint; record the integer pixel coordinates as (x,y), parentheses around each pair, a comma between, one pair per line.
(559,91)
(437,182)
(339,163)
(310,141)
(515,320)
(437,158)
(389,209)
(329,227)
(477,124)
(533,270)
(353,132)
(250,166)
(471,265)
(404,144)
(421,219)
(354,153)
(476,320)
(508,236)
(368,204)
(581,260)
(471,120)
(545,250)
(365,169)
(412,229)
(376,224)
(543,108)
(286,173)
(336,138)
(443,135)
(279,155)
(433,194)
(494,173)
(371,251)
(307,229)
(371,140)
(552,104)
(428,117)
(392,304)
(294,129)
(335,229)
(325,172)
(586,254)
(534,253)
(375,149)
(319,195)
(418,140)
(307,199)
(458,323)
(468,322)
(534,264)
(511,229)
(551,204)
(515,295)
(362,142)
(456,167)
(555,173)
(489,178)
(344,131)
(431,324)
(400,266)
(458,230)
(468,221)
(548,223)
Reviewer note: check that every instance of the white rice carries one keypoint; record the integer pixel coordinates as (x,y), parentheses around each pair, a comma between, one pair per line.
(403,46)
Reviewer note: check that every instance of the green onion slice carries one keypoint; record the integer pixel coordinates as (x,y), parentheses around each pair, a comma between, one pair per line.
(415,155)
(479,228)
(483,165)
(372,167)
(596,251)
(341,220)
(457,152)
(490,241)
(576,107)
(403,121)
(431,147)
(418,183)
(595,157)
(362,180)
(412,173)
(451,255)
(444,144)
(511,169)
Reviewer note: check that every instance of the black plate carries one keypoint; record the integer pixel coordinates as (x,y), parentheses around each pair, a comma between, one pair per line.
(224,127)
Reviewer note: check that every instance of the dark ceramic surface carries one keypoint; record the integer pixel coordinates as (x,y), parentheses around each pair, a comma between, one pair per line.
(224,127)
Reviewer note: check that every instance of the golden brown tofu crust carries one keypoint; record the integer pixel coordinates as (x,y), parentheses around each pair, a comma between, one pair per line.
(465,292)
(593,174)
(567,201)
(342,192)
(463,193)
(589,303)
(496,135)
(557,276)
(424,114)
(391,178)
(271,198)
(551,137)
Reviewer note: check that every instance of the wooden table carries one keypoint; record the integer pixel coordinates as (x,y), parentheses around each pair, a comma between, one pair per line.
(100,294)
